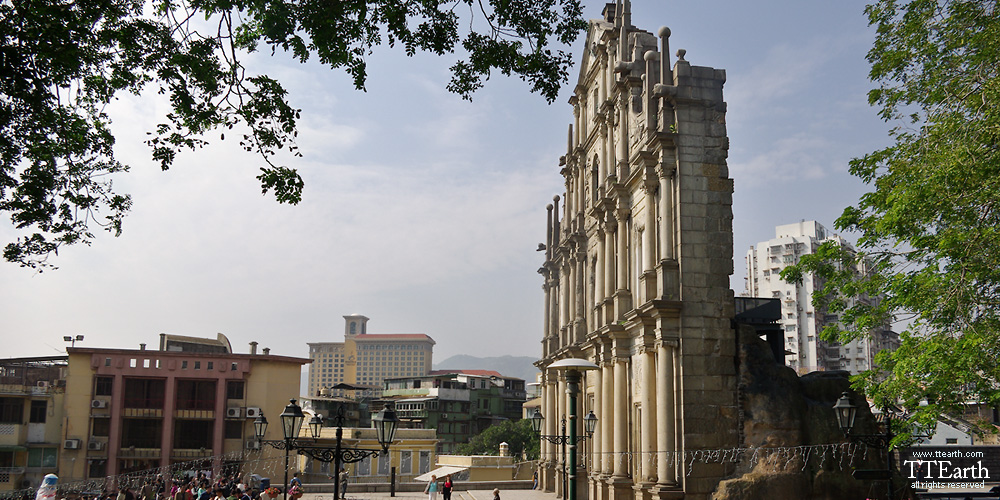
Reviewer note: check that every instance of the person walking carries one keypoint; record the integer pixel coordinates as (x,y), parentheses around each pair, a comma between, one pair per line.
(446,490)
(496,493)
(344,476)
(432,488)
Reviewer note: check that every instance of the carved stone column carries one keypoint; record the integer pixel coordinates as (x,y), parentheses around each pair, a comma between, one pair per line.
(666,228)
(647,429)
(609,269)
(666,463)
(621,411)
(607,421)
(599,291)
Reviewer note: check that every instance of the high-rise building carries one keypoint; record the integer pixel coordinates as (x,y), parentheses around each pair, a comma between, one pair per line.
(801,321)
(366,359)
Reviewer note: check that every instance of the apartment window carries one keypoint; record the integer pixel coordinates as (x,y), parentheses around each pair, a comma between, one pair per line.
(142,432)
(195,394)
(193,434)
(144,393)
(951,441)
(197,365)
(101,427)
(210,365)
(234,389)
(234,429)
(97,468)
(11,411)
(103,386)
(42,457)
(36,415)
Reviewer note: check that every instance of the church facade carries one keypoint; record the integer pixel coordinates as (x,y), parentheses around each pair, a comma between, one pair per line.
(636,275)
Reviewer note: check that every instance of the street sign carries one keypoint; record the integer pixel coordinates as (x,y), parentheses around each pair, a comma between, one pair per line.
(871,474)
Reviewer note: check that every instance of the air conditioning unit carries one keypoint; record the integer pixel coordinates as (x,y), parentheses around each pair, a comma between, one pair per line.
(253,444)
(71,444)
(43,383)
(235,412)
(95,446)
(252,411)
(98,403)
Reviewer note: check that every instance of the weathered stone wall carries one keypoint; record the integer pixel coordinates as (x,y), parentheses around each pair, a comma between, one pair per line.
(783,410)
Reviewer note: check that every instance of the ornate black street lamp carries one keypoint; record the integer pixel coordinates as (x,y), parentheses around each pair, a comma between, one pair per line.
(291,423)
(846,414)
(573,367)
(589,424)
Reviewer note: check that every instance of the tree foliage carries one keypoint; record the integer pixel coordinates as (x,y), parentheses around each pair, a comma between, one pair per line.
(63,61)
(517,434)
(930,226)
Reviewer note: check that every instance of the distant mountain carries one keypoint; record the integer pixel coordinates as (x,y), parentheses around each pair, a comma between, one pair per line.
(510,366)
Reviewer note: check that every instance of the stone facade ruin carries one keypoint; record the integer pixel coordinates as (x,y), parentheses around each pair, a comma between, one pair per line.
(636,275)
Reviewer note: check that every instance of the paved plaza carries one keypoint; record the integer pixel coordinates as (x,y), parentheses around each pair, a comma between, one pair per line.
(458,495)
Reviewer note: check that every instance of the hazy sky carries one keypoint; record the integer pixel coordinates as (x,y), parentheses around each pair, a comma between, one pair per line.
(423,211)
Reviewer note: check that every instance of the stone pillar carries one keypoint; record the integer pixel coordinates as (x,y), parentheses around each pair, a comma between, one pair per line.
(610,260)
(551,454)
(567,303)
(571,307)
(622,264)
(648,243)
(607,421)
(581,287)
(666,228)
(602,166)
(595,440)
(554,308)
(576,120)
(665,436)
(621,412)
(561,413)
(599,291)
(623,132)
(647,431)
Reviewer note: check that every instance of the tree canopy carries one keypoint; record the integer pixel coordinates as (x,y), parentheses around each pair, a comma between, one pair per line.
(929,229)
(63,61)
(518,435)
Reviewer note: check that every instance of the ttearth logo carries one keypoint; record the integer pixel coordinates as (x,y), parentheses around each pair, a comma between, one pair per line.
(956,467)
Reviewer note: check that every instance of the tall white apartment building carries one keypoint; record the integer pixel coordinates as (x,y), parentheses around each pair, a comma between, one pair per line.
(804,351)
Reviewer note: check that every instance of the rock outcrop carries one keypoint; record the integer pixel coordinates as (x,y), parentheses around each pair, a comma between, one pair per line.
(799,450)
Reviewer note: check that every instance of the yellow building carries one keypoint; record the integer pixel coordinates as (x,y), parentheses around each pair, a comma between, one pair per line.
(31,402)
(411,453)
(365,359)
(132,410)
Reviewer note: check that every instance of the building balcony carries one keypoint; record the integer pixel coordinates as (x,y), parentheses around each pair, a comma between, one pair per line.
(135,452)
(190,453)
(12,434)
(10,474)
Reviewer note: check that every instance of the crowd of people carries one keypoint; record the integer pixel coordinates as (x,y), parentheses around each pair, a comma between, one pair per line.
(197,487)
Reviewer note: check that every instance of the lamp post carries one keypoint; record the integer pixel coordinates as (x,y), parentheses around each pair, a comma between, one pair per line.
(589,424)
(846,414)
(72,340)
(291,423)
(573,367)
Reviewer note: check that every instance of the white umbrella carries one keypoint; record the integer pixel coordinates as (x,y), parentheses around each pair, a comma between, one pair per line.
(440,472)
